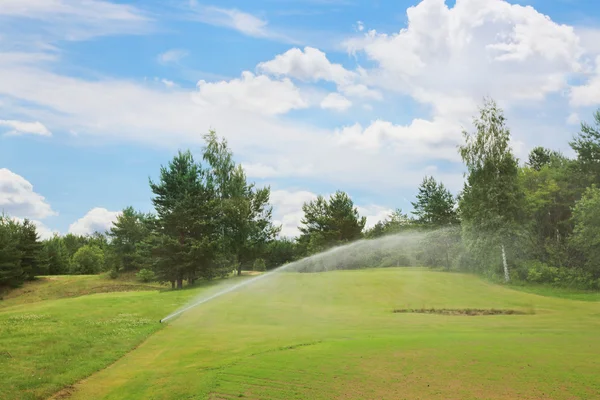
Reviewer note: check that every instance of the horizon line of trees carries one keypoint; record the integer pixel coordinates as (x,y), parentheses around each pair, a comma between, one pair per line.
(536,222)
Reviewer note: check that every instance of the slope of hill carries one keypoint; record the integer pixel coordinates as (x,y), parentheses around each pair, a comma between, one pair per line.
(335,335)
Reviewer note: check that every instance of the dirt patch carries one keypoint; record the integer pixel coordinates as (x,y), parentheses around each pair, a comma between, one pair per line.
(462,311)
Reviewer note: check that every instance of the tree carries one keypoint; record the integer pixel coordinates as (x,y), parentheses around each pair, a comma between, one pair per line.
(11,273)
(58,256)
(88,260)
(491,201)
(435,205)
(186,244)
(587,146)
(127,235)
(586,235)
(279,252)
(245,213)
(328,223)
(31,250)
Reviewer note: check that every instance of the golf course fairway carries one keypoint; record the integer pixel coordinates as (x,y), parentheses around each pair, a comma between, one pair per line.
(334,335)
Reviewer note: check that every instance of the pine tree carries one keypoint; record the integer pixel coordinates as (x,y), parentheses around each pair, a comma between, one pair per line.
(31,249)
(11,273)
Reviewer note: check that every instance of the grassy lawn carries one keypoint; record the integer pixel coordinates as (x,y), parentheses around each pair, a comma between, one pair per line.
(321,336)
(57,330)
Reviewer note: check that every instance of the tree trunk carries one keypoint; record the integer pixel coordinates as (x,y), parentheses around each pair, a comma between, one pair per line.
(506,274)
(239,270)
(179,283)
(172,284)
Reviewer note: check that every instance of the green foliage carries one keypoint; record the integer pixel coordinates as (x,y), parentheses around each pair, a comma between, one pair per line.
(146,275)
(586,234)
(491,201)
(435,205)
(127,236)
(587,147)
(259,265)
(113,274)
(11,273)
(328,223)
(88,260)
(279,252)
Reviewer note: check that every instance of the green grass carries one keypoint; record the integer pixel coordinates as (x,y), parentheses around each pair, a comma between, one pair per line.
(564,293)
(57,330)
(308,336)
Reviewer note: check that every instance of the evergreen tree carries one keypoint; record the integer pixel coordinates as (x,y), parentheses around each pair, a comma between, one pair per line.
(587,147)
(58,256)
(11,273)
(127,235)
(328,223)
(31,250)
(435,205)
(186,242)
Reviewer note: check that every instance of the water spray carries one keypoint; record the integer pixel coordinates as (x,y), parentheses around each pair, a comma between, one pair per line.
(350,256)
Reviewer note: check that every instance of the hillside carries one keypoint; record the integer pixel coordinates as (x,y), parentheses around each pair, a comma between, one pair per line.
(335,335)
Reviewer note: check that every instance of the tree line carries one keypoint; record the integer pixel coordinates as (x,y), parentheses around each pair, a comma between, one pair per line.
(536,221)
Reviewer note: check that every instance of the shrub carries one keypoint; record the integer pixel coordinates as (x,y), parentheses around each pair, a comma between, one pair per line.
(259,265)
(88,260)
(113,274)
(145,275)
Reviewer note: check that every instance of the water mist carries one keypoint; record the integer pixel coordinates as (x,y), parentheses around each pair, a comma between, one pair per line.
(388,251)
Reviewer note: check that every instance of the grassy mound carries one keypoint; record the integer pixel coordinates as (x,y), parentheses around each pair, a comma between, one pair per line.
(58,287)
(332,335)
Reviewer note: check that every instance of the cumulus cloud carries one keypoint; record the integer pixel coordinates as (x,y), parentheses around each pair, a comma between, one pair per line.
(287,210)
(42,230)
(252,93)
(435,138)
(18,199)
(96,220)
(335,101)
(24,128)
(309,65)
(312,65)
(587,94)
(476,48)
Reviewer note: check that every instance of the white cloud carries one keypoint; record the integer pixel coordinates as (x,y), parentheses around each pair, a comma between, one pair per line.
(252,93)
(587,94)
(42,230)
(573,119)
(172,56)
(360,26)
(309,65)
(335,101)
(247,111)
(96,220)
(18,199)
(476,48)
(245,23)
(312,65)
(422,138)
(22,128)
(76,20)
(287,209)
(374,214)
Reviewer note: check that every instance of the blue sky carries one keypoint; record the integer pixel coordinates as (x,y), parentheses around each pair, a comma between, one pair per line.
(312,95)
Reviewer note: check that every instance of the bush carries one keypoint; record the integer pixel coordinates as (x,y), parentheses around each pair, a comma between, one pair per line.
(88,260)
(259,265)
(113,274)
(539,272)
(145,275)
